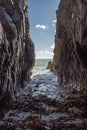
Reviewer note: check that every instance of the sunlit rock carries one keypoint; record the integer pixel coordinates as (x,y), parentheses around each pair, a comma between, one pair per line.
(70,53)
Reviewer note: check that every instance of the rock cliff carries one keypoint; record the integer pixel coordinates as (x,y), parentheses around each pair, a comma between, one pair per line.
(70,53)
(16,48)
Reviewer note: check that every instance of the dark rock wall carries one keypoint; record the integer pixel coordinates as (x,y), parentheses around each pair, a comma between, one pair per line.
(70,53)
(16,48)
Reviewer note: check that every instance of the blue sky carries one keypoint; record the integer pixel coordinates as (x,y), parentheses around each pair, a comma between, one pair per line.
(42,18)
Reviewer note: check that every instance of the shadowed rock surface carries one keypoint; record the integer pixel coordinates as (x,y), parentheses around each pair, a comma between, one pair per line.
(70,53)
(16,49)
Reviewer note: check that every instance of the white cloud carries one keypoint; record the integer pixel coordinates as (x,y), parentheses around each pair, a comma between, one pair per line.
(54,21)
(44,54)
(54,30)
(41,26)
(52,46)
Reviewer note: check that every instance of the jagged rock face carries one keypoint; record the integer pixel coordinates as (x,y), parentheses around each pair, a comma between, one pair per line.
(70,53)
(16,47)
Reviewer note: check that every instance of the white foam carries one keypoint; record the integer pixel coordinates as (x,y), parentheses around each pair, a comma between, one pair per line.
(45,84)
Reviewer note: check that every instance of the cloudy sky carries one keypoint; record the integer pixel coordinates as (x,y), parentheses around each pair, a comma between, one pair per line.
(42,17)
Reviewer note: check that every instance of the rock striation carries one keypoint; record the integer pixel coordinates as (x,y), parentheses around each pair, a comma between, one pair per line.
(16,48)
(70,53)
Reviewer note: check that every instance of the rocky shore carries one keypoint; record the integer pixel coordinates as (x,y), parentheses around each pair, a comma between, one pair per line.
(45,105)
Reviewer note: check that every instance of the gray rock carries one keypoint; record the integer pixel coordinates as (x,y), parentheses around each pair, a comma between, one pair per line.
(16,49)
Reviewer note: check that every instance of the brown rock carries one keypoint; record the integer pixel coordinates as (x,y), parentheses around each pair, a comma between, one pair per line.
(70,51)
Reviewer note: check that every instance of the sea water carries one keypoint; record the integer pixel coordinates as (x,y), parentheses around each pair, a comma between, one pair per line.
(44,81)
(40,66)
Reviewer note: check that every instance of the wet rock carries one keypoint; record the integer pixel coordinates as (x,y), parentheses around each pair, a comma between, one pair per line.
(42,112)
